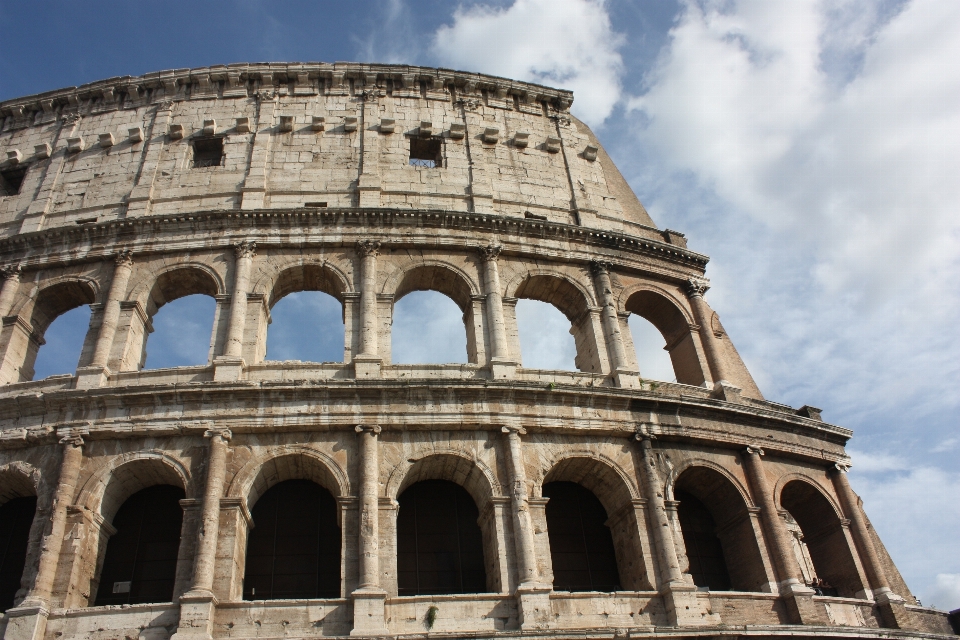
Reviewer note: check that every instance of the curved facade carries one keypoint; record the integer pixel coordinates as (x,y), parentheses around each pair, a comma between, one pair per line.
(249,498)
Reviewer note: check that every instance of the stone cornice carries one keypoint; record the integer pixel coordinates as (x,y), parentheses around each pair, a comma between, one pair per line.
(41,248)
(412,405)
(249,79)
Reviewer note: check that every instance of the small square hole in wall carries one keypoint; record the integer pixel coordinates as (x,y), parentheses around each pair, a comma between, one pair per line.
(207,152)
(11,181)
(426,152)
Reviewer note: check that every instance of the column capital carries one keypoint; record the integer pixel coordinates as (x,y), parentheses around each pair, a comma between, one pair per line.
(643,432)
(245,249)
(841,467)
(599,267)
(124,257)
(490,252)
(513,429)
(754,450)
(225,434)
(10,271)
(373,428)
(696,286)
(73,440)
(368,247)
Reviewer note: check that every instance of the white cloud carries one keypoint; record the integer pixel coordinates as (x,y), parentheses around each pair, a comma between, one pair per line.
(562,43)
(916,513)
(877,462)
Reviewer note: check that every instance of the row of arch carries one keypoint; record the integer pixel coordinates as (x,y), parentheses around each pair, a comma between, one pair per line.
(31,308)
(446,535)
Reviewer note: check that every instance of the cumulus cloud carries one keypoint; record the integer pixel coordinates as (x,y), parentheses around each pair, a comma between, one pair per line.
(563,43)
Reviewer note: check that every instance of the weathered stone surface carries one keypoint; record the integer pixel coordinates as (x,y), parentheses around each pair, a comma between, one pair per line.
(315,191)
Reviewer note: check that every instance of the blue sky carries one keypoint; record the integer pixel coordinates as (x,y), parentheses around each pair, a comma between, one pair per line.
(810,148)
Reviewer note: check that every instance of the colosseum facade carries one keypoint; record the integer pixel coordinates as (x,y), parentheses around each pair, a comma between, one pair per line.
(249,498)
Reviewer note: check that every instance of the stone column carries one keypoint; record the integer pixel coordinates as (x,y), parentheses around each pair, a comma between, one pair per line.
(696,287)
(8,294)
(797,596)
(522,526)
(367,363)
(622,374)
(892,608)
(197,605)
(95,375)
(679,595)
(28,621)
(230,365)
(501,365)
(369,599)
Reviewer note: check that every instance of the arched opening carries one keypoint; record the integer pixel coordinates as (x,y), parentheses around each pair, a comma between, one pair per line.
(678,340)
(65,305)
(718,534)
(822,542)
(581,546)
(545,338)
(439,543)
(293,551)
(572,303)
(306,316)
(589,494)
(140,563)
(181,308)
(432,318)
(652,358)
(16,518)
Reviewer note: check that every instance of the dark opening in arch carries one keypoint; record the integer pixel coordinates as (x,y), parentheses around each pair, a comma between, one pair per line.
(140,564)
(16,517)
(439,543)
(704,549)
(581,546)
(294,548)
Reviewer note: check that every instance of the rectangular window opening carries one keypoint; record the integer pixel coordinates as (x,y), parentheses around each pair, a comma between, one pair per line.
(315,205)
(207,152)
(11,181)
(426,152)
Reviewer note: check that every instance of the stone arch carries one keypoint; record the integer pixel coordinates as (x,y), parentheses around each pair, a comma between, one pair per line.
(479,482)
(617,492)
(704,485)
(152,292)
(576,302)
(471,474)
(824,534)
(679,469)
(804,477)
(448,280)
(106,490)
(45,304)
(672,319)
(288,462)
(19,480)
(302,275)
(433,275)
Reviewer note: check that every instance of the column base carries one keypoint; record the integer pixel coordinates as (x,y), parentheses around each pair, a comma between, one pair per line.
(533,602)
(26,622)
(502,369)
(228,369)
(801,609)
(366,366)
(196,616)
(92,377)
(369,613)
(725,391)
(626,379)
(683,609)
(893,610)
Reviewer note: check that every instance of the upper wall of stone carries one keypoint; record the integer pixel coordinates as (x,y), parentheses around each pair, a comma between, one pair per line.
(306,135)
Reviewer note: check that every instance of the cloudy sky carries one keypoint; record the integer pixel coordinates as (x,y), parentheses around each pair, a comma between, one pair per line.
(809,147)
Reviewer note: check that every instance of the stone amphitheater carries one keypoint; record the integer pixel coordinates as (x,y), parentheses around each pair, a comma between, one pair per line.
(249,498)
